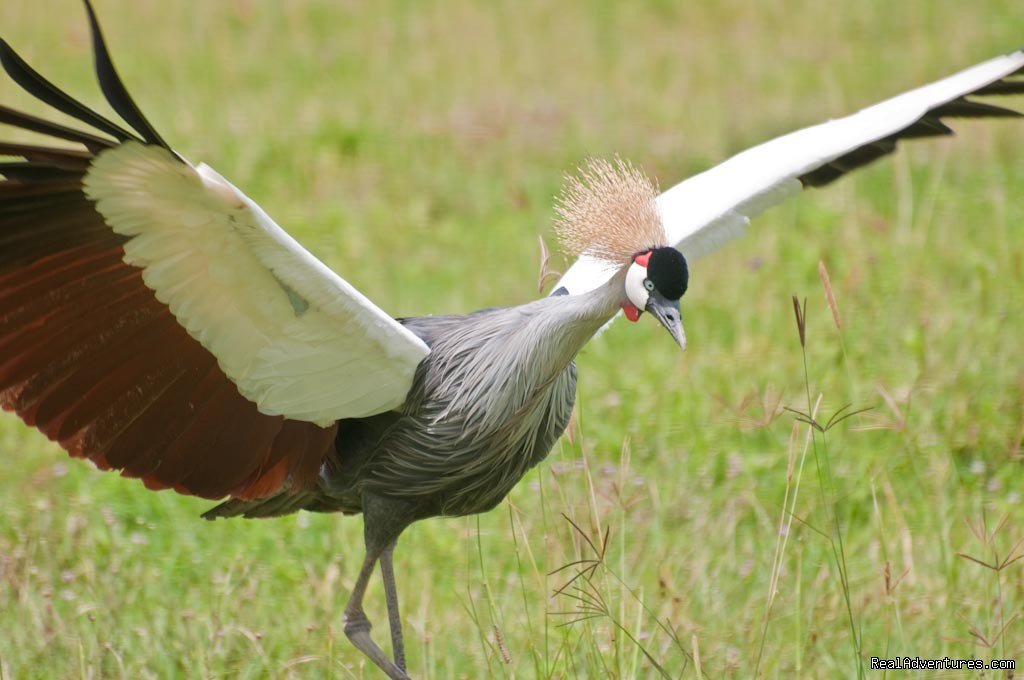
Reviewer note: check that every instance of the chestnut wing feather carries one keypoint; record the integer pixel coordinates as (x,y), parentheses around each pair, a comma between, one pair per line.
(93,352)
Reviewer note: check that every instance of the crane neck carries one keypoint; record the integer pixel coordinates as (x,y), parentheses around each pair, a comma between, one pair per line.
(596,307)
(566,323)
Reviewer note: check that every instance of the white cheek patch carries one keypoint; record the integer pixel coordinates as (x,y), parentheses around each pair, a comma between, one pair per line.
(635,291)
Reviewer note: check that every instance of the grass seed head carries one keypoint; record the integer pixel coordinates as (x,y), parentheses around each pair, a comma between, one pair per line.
(801,319)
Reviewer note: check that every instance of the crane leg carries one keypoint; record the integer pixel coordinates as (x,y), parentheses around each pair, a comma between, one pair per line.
(383,521)
(387,573)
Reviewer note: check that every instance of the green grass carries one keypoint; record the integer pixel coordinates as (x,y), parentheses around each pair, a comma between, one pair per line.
(415,147)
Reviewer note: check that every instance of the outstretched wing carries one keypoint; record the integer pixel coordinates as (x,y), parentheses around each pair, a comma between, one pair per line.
(706,210)
(155,320)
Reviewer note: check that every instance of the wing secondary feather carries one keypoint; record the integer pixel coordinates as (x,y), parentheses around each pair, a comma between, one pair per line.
(295,338)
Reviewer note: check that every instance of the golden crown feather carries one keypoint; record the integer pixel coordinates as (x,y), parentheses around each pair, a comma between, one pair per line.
(608,211)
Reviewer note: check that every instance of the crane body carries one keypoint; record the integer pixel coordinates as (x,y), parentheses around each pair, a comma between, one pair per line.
(487,404)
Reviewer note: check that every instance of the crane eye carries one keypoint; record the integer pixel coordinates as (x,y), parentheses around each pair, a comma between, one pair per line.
(648,284)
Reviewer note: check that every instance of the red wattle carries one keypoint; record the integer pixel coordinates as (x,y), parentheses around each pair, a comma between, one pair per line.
(643,258)
(631,311)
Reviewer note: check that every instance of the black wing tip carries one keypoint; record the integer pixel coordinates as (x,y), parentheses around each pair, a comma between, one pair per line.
(110,83)
(928,125)
(1006,86)
(7,52)
(17,119)
(33,171)
(94,22)
(7,56)
(42,89)
(113,87)
(962,107)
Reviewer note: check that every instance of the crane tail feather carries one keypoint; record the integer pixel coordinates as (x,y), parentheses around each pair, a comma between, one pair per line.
(276,506)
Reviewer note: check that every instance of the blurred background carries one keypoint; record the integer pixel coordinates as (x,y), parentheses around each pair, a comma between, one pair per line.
(415,147)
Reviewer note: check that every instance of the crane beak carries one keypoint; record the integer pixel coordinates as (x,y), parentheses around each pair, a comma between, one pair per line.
(667,313)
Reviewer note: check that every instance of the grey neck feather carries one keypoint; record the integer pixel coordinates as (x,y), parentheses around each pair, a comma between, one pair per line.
(566,323)
(490,363)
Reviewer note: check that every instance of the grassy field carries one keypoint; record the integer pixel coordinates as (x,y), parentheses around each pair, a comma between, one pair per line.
(415,147)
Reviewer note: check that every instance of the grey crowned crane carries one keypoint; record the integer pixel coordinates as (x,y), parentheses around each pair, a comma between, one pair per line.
(156,321)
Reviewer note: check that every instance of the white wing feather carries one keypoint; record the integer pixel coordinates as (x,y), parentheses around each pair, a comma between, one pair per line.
(705,211)
(293,336)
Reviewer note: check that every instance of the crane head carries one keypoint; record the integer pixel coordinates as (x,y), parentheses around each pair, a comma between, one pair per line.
(655,281)
(609,212)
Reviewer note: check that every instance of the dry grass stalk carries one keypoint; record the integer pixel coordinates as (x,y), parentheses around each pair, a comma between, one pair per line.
(544,271)
(829,295)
